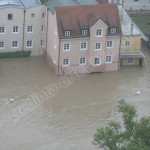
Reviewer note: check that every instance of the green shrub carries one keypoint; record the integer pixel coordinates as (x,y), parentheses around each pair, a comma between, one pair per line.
(15,54)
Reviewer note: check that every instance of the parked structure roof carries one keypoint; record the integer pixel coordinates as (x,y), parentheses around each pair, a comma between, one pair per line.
(131,54)
(19,3)
(85,16)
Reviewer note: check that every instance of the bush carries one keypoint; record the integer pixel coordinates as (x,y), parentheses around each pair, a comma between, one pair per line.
(15,54)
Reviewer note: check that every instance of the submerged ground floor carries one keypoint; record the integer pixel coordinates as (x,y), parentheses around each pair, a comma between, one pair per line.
(52,112)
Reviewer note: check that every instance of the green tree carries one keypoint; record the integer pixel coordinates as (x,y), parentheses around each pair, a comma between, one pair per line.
(134,135)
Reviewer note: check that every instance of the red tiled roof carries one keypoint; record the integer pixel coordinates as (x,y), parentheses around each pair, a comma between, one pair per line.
(76,18)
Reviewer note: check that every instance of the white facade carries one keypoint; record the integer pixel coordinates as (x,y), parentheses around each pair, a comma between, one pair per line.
(133,4)
(22,28)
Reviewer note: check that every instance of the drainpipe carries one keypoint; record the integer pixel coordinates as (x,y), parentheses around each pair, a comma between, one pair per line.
(23,30)
(46,36)
(59,56)
(24,13)
(119,52)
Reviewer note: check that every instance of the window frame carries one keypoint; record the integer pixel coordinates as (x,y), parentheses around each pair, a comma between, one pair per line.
(113,30)
(14,29)
(97,35)
(42,43)
(82,61)
(100,46)
(32,15)
(28,30)
(43,15)
(3,45)
(130,63)
(112,45)
(10,16)
(27,44)
(66,50)
(108,62)
(12,44)
(84,32)
(67,33)
(127,45)
(83,49)
(99,58)
(2,29)
(68,62)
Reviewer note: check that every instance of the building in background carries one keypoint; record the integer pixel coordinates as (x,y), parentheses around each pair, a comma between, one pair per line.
(23,26)
(130,52)
(133,4)
(83,39)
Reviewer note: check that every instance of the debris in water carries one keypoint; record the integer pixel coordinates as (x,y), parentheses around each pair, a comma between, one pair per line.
(11,100)
(138,92)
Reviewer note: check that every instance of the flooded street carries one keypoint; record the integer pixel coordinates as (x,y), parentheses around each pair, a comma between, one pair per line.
(63,113)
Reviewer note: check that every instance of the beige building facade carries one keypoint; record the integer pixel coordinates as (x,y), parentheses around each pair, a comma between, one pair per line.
(23,26)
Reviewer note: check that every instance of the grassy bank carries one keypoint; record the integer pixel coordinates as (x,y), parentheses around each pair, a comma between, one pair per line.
(143,22)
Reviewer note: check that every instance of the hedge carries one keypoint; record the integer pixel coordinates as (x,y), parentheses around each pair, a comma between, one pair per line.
(15,54)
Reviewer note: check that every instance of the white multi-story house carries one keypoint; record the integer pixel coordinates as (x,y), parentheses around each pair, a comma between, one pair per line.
(23,26)
(133,4)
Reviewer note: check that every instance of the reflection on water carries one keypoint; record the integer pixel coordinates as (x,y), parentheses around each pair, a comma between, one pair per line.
(67,119)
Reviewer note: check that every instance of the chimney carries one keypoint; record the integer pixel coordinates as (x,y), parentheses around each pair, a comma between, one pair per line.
(132,27)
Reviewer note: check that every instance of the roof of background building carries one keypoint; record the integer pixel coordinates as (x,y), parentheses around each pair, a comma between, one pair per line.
(19,3)
(127,25)
(52,4)
(75,18)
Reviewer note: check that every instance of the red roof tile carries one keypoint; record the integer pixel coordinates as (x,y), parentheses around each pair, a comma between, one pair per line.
(76,18)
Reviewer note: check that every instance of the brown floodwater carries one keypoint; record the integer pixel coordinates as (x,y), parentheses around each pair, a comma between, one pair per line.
(63,113)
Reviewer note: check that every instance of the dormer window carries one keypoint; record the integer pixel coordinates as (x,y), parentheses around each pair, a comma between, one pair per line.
(84,32)
(67,33)
(113,30)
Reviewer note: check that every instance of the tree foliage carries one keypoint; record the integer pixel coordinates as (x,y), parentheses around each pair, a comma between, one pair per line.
(134,135)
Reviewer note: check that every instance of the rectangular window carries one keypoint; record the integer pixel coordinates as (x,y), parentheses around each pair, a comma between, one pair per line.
(10,16)
(130,61)
(84,32)
(99,32)
(14,44)
(83,46)
(127,43)
(29,44)
(97,61)
(109,44)
(98,46)
(2,45)
(29,29)
(2,30)
(82,60)
(113,30)
(42,28)
(32,15)
(15,29)
(42,43)
(67,33)
(66,62)
(67,46)
(108,59)
(43,15)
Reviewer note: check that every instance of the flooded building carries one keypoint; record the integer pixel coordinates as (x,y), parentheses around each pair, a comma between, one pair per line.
(84,39)
(130,51)
(22,26)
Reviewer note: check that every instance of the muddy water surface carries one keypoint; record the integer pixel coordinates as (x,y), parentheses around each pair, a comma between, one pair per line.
(63,113)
